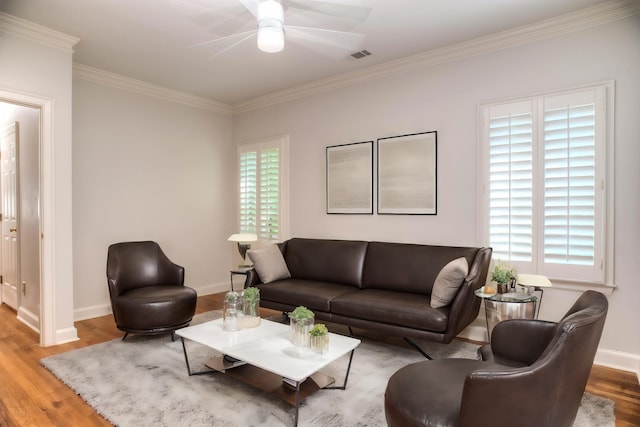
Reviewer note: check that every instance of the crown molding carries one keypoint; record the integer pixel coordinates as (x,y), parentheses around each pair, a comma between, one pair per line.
(564,24)
(36,33)
(118,81)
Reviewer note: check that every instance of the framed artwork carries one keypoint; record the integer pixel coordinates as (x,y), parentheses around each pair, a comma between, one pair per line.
(407,174)
(350,178)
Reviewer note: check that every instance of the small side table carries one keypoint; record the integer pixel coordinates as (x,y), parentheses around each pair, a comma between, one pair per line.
(240,270)
(499,307)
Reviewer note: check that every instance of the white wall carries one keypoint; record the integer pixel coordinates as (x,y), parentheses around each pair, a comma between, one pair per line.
(445,97)
(149,169)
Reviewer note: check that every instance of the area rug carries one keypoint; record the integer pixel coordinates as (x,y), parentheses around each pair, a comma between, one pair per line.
(144,382)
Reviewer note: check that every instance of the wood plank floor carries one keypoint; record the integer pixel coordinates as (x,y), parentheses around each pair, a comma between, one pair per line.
(31,396)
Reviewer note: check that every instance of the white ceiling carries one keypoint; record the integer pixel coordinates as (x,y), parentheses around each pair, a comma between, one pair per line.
(153,40)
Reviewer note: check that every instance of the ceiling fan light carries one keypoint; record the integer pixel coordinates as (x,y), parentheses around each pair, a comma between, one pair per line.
(270,39)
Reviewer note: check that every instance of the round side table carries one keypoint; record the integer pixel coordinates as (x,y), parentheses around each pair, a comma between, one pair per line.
(499,307)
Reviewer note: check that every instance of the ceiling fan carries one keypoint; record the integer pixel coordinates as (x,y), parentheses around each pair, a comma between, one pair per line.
(271,29)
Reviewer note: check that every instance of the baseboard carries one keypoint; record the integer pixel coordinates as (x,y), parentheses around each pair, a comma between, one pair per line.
(30,319)
(64,336)
(475,333)
(214,288)
(91,312)
(618,360)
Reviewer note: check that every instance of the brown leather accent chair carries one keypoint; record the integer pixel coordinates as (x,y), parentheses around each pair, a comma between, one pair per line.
(147,290)
(533,374)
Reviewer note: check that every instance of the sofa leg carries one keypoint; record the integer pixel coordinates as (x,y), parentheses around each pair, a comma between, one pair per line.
(414,345)
(173,336)
(125,336)
(350,331)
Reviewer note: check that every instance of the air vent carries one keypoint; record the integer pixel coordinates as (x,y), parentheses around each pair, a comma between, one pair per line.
(361,54)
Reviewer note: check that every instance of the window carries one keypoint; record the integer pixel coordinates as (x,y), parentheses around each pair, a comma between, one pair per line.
(263,188)
(544,183)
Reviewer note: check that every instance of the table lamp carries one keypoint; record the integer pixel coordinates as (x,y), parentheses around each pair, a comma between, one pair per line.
(535,282)
(243,240)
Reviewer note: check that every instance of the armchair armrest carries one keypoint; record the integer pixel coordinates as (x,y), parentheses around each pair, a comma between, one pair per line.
(498,395)
(518,342)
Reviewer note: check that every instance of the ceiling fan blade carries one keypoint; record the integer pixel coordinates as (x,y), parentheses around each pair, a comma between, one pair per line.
(234,44)
(338,39)
(251,5)
(336,9)
(222,40)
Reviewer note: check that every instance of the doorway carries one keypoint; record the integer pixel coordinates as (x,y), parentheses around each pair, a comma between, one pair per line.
(20,250)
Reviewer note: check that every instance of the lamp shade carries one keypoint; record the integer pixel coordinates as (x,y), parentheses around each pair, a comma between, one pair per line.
(243,237)
(533,280)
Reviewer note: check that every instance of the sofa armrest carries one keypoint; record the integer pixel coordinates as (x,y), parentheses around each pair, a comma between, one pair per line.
(518,342)
(466,306)
(252,278)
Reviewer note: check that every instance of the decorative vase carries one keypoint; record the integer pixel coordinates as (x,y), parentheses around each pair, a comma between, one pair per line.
(300,331)
(503,288)
(231,311)
(319,343)
(250,312)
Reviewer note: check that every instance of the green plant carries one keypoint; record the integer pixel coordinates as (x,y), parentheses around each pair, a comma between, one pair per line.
(318,330)
(502,274)
(251,294)
(301,313)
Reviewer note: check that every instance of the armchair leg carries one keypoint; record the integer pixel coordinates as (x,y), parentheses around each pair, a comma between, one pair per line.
(417,347)
(173,336)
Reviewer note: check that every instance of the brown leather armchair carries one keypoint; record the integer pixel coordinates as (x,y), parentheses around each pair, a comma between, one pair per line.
(532,374)
(147,290)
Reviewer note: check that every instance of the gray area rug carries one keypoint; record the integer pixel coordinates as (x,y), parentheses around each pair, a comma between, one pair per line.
(144,382)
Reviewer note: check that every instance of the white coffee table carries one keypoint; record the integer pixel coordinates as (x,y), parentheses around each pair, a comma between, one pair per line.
(266,350)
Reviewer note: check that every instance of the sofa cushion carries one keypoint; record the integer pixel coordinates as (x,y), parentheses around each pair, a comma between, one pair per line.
(408,267)
(269,264)
(448,281)
(394,308)
(312,294)
(337,261)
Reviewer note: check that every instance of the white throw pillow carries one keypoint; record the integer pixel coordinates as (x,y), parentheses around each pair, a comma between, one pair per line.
(448,281)
(269,264)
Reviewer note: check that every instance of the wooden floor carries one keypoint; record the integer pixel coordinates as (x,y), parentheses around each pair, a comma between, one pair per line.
(31,396)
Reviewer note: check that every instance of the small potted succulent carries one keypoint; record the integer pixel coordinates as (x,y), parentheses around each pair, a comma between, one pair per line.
(503,276)
(319,338)
(301,321)
(251,307)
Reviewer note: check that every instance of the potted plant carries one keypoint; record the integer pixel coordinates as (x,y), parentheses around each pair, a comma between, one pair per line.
(251,307)
(301,321)
(503,276)
(319,338)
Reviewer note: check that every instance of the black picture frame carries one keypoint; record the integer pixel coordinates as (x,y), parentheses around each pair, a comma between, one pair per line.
(350,178)
(408,174)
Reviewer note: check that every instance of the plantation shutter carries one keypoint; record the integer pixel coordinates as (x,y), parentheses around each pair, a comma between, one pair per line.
(572,224)
(248,169)
(545,207)
(262,179)
(511,181)
(269,194)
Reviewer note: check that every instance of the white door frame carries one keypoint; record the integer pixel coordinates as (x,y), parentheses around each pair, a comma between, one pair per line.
(48,325)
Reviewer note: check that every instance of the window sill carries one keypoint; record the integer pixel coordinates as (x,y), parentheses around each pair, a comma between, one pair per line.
(581,286)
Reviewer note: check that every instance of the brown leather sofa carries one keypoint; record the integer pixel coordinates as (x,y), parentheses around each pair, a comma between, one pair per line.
(147,290)
(374,285)
(532,374)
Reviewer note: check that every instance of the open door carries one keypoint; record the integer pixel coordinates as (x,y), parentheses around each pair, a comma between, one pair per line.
(9,187)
